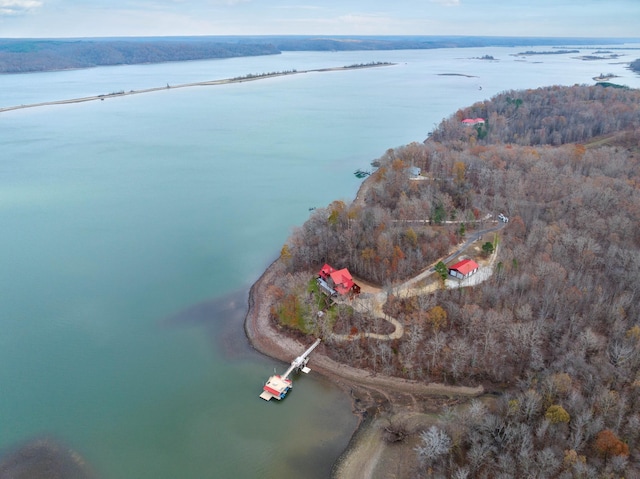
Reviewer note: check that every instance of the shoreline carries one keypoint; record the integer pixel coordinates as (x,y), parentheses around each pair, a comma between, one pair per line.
(374,398)
(225,81)
(266,339)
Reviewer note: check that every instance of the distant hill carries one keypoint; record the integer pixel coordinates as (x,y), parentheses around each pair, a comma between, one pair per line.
(35,55)
(24,56)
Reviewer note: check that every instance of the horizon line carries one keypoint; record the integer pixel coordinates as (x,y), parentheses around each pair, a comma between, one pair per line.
(306,35)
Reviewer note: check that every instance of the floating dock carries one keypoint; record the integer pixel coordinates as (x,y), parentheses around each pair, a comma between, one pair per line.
(279,385)
(276,387)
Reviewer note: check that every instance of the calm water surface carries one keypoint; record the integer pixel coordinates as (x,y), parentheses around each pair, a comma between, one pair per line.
(133,227)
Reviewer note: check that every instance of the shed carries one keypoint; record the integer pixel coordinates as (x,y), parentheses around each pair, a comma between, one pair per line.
(473,121)
(414,172)
(463,269)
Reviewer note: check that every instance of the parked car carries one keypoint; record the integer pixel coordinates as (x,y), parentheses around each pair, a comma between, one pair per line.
(503,218)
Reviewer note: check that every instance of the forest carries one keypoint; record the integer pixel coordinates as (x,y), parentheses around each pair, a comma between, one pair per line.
(24,56)
(554,333)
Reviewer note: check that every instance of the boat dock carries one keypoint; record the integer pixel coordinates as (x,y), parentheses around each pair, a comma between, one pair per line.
(278,386)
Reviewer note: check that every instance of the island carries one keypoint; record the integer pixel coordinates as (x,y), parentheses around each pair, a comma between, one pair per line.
(612,56)
(605,77)
(478,298)
(552,52)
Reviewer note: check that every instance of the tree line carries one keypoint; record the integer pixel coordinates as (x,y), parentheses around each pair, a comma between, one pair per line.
(555,331)
(24,56)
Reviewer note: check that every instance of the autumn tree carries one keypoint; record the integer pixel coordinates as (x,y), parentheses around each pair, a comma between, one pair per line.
(607,444)
(285,254)
(437,318)
(557,414)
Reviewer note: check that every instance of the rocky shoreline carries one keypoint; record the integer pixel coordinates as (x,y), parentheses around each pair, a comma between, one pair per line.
(374,398)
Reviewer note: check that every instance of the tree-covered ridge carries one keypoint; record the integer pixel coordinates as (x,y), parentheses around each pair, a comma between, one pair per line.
(22,56)
(554,116)
(635,65)
(381,235)
(556,330)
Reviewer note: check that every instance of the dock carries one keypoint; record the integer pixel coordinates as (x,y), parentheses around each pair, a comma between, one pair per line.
(277,386)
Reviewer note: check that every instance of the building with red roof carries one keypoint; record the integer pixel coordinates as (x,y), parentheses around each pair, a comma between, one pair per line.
(473,121)
(463,269)
(333,281)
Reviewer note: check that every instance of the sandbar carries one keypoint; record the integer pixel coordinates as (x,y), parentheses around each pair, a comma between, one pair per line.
(225,81)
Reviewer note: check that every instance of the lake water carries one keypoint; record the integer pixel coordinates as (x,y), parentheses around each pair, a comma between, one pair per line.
(133,227)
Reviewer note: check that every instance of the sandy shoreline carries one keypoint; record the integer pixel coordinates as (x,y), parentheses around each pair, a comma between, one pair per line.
(225,81)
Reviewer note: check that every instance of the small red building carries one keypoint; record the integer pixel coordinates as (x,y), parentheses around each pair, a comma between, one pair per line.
(334,281)
(473,121)
(463,269)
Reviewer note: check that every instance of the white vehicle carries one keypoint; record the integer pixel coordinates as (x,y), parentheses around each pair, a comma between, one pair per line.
(503,218)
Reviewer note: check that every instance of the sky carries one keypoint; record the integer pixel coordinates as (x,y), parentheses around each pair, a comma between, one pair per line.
(99,18)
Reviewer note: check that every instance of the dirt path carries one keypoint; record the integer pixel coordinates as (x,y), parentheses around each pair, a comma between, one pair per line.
(371,304)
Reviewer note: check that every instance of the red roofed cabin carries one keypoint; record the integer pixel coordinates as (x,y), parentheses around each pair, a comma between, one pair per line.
(333,281)
(473,121)
(463,269)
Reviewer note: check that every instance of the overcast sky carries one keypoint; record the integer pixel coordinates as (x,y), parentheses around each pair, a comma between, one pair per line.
(74,18)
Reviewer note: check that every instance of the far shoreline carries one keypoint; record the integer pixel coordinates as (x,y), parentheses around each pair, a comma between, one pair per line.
(224,81)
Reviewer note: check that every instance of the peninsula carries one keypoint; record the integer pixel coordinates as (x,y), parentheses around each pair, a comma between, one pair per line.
(245,78)
(526,361)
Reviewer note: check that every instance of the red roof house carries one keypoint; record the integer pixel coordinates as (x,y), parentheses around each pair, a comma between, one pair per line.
(463,269)
(326,271)
(473,121)
(343,281)
(338,281)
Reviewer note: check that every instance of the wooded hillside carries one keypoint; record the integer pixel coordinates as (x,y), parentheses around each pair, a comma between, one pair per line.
(555,330)
(23,56)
